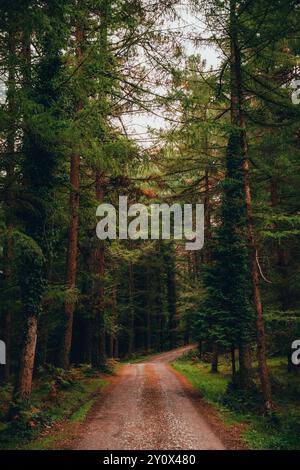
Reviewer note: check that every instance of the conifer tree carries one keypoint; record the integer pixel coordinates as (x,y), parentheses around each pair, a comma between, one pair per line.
(39,164)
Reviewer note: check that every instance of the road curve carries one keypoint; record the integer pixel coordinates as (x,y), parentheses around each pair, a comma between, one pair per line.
(149,409)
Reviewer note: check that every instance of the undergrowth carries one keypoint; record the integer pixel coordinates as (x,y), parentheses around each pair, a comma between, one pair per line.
(57,394)
(281,431)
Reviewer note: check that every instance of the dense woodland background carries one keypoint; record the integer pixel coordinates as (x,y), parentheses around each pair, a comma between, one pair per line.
(72,74)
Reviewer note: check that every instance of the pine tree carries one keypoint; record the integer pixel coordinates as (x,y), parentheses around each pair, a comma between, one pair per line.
(227,307)
(39,165)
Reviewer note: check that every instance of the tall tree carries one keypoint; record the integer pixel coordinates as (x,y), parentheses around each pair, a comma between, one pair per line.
(38,169)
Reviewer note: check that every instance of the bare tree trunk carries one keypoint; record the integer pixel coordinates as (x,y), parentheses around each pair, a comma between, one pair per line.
(260,327)
(27,359)
(73,236)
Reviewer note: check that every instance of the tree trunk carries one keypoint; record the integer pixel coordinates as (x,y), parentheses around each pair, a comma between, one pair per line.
(29,348)
(200,349)
(99,350)
(114,333)
(111,346)
(131,311)
(73,236)
(8,254)
(46,324)
(116,347)
(260,327)
(10,154)
(148,302)
(171,285)
(238,120)
(244,365)
(99,253)
(207,208)
(44,351)
(215,359)
(27,359)
(99,355)
(72,259)
(282,263)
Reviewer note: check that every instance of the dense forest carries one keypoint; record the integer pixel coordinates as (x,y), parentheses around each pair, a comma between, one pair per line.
(83,85)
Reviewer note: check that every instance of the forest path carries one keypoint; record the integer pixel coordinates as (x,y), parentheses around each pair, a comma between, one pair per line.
(149,408)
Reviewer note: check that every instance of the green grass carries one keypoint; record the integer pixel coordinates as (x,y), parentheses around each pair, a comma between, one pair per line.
(82,412)
(282,433)
(71,403)
(46,443)
(68,400)
(53,440)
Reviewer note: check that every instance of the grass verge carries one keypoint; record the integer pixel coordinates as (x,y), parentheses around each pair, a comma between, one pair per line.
(282,433)
(60,401)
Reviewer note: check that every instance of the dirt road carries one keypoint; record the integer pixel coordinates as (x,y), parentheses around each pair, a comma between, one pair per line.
(149,408)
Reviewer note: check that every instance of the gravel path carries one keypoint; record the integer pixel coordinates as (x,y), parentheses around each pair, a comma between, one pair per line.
(149,408)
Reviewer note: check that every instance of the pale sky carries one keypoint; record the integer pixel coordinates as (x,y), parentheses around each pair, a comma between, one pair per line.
(187,25)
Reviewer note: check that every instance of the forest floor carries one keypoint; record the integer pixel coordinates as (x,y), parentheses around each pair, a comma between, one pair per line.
(243,412)
(59,402)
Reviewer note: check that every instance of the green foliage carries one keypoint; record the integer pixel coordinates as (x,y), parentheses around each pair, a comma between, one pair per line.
(226,310)
(279,433)
(57,395)
(240,399)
